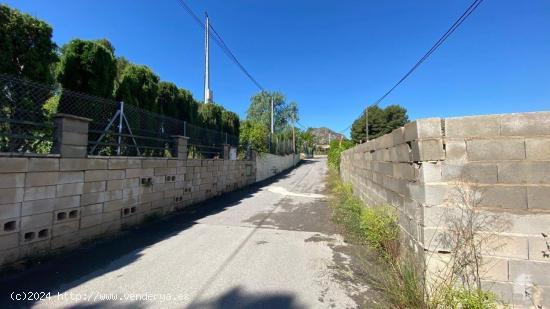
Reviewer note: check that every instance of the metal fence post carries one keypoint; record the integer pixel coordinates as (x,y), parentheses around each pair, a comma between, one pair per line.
(120,127)
(184,128)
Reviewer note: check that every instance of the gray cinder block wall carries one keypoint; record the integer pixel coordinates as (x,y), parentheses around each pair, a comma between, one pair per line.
(47,203)
(418,167)
(269,165)
(53,202)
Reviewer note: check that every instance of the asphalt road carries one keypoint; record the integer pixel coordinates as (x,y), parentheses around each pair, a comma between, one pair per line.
(271,245)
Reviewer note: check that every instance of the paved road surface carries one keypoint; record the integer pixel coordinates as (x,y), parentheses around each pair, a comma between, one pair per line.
(269,246)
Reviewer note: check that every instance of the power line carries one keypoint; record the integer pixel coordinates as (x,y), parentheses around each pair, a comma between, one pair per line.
(237,62)
(221,43)
(437,44)
(441,40)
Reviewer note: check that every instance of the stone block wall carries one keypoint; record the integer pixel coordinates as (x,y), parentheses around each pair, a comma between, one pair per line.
(418,169)
(49,203)
(268,165)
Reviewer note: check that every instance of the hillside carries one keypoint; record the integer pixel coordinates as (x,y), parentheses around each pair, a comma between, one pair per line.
(323,135)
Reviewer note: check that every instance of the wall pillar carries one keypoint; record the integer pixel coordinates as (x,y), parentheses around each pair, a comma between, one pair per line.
(71,135)
(226,149)
(180,146)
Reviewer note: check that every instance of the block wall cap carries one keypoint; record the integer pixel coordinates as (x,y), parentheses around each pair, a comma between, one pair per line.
(29,155)
(61,115)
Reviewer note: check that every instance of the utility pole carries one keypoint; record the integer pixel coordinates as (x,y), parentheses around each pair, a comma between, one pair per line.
(271,133)
(293,135)
(272,125)
(207,91)
(366,124)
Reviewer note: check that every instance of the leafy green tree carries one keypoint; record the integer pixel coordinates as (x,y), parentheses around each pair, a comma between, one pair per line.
(26,51)
(188,107)
(107,44)
(177,103)
(255,134)
(210,116)
(167,99)
(26,46)
(230,122)
(138,87)
(381,121)
(121,64)
(88,67)
(260,110)
(307,138)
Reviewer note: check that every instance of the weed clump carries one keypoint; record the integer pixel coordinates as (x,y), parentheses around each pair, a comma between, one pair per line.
(404,282)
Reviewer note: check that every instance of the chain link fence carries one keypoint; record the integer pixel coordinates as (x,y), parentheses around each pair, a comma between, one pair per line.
(116,129)
(26,124)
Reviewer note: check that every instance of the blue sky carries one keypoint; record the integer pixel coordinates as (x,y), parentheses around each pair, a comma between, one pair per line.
(332,57)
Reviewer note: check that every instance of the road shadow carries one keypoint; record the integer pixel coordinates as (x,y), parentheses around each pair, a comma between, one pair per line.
(60,273)
(237,298)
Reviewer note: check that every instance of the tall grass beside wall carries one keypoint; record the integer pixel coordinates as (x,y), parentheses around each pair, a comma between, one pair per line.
(403,281)
(376,227)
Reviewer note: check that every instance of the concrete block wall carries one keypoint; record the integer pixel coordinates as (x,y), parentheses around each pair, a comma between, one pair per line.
(268,165)
(506,157)
(49,203)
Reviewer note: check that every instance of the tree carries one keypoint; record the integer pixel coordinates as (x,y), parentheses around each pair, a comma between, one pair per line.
(230,123)
(188,107)
(167,99)
(381,121)
(210,116)
(26,51)
(306,138)
(88,67)
(27,47)
(138,87)
(177,103)
(121,64)
(255,134)
(107,44)
(260,110)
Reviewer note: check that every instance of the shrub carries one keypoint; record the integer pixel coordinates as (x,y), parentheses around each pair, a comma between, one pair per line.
(375,226)
(380,229)
(335,152)
(457,297)
(254,134)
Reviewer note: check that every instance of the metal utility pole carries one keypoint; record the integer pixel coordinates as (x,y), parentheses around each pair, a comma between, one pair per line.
(293,136)
(272,125)
(366,124)
(207,91)
(272,117)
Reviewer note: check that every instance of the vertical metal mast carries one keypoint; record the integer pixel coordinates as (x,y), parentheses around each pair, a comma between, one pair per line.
(272,125)
(207,92)
(293,134)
